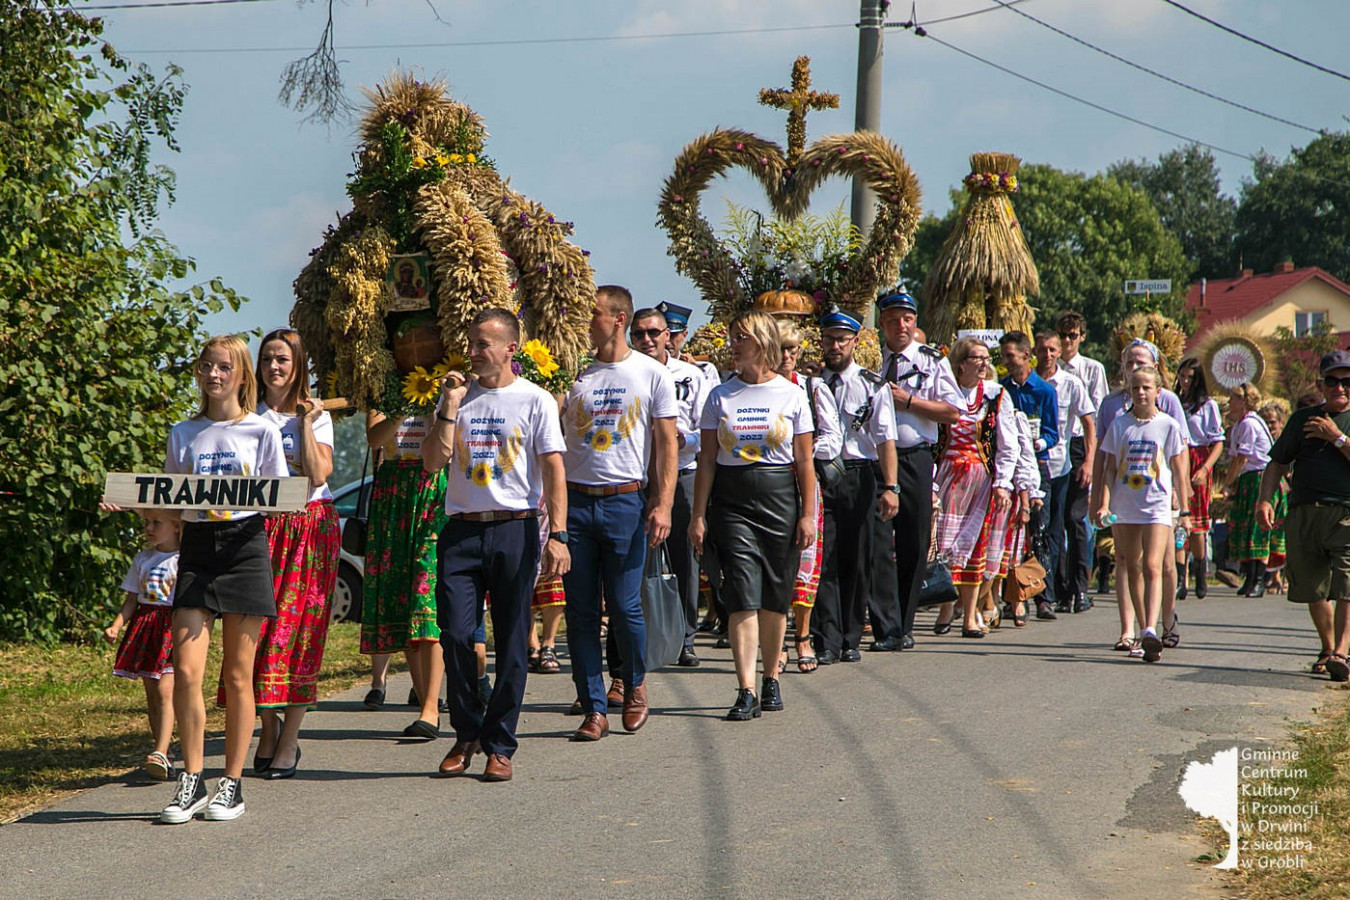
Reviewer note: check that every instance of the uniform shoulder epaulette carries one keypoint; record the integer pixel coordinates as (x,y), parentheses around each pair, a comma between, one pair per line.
(872,378)
(934,352)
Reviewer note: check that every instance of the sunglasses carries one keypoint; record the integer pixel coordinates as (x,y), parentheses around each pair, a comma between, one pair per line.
(1069,335)
(1331,381)
(641,334)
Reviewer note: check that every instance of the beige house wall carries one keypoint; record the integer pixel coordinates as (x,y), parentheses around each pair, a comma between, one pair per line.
(1313,295)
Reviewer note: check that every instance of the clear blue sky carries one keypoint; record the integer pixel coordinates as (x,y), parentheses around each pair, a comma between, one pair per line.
(590,128)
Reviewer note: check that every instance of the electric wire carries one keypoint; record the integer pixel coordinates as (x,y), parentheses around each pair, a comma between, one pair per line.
(1170,80)
(1256,41)
(160,4)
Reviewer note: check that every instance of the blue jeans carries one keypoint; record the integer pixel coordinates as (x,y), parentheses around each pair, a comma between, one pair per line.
(608,547)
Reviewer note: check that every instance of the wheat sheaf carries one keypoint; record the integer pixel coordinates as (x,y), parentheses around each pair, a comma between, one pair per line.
(779,432)
(629,420)
(509,451)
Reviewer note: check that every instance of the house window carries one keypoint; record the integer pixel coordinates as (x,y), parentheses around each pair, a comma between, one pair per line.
(1305,322)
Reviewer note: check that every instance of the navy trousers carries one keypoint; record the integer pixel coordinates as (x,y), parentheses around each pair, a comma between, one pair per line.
(497,558)
(608,547)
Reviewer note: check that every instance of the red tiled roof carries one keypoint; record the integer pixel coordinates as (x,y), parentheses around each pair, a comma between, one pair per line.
(1237,298)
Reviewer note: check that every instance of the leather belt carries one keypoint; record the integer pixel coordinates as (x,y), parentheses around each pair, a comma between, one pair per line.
(605,490)
(859,463)
(496,515)
(926,447)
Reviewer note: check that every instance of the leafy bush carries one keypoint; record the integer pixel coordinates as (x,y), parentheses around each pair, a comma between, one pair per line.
(95,347)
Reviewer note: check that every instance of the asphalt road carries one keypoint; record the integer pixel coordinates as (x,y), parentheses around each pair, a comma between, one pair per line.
(1034,763)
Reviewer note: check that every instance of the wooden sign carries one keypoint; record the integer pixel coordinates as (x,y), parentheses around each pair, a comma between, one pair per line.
(160,491)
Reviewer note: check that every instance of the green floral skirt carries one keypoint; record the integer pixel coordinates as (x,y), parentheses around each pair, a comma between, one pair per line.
(407,512)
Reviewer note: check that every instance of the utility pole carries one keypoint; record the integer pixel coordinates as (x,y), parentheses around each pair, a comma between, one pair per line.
(871,25)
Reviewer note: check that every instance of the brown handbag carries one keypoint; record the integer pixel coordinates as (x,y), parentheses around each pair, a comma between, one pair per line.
(1025,581)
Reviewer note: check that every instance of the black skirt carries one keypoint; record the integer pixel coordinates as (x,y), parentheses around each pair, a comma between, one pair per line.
(752,529)
(225,567)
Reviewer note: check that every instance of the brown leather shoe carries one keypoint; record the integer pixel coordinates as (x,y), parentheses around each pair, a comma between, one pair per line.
(498,768)
(635,708)
(593,728)
(615,696)
(457,761)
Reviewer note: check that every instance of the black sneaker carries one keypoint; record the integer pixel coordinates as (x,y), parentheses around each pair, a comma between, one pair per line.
(186,803)
(772,698)
(228,803)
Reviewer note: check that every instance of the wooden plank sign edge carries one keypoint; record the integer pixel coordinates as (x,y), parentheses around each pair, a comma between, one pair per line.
(155,490)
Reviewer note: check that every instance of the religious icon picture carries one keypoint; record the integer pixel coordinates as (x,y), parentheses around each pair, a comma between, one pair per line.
(410,281)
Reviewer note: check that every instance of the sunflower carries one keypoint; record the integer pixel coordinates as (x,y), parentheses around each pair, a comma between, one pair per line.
(454,362)
(331,384)
(482,474)
(541,356)
(421,386)
(1136,481)
(751,453)
(602,440)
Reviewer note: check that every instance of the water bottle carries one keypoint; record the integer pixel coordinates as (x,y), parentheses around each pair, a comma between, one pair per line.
(1109,519)
(1181,537)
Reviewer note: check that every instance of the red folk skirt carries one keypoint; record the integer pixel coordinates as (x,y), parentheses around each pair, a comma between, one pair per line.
(146,650)
(1199,495)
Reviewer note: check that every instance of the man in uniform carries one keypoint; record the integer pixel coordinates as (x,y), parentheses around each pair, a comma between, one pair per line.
(650,334)
(923,395)
(618,420)
(864,402)
(499,435)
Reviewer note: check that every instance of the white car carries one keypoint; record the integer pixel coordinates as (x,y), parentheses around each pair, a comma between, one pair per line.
(352,502)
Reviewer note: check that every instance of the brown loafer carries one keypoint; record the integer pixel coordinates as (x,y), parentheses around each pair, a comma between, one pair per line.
(498,768)
(616,694)
(457,761)
(593,728)
(635,708)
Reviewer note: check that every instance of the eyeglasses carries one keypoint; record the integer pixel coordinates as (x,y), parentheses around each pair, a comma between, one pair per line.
(1069,335)
(643,334)
(1331,381)
(837,338)
(978,359)
(792,349)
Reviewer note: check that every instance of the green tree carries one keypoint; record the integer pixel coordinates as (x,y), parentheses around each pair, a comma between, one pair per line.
(1299,209)
(95,347)
(1184,187)
(1299,358)
(1088,235)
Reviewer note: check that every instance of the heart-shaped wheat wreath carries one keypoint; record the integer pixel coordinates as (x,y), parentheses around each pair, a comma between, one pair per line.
(701,257)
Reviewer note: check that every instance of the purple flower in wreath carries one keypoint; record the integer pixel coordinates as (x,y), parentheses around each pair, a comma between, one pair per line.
(516,368)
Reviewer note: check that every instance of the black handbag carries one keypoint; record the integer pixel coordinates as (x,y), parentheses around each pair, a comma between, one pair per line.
(937,585)
(662,610)
(354,527)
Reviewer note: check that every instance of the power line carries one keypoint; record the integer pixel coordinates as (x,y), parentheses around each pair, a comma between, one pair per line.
(505,43)
(921,32)
(965,15)
(1259,43)
(164,3)
(1170,80)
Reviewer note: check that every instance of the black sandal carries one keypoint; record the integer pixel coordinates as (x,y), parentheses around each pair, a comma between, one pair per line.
(548,662)
(1337,668)
(806,663)
(1171,636)
(1320,667)
(534,658)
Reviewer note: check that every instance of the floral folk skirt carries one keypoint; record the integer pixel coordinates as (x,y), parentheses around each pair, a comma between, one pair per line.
(1199,495)
(146,650)
(808,570)
(1246,540)
(407,513)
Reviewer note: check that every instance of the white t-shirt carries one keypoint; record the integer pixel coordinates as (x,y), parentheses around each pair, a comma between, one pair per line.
(691,392)
(1074,403)
(202,446)
(499,436)
(755,423)
(1250,438)
(607,419)
(1142,491)
(408,438)
(290,442)
(152,577)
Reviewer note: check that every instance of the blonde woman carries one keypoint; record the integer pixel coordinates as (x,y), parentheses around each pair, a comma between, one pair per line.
(755,502)
(1249,443)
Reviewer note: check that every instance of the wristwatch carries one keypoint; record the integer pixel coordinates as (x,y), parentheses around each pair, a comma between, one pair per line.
(893,488)
(1340,441)
(559,536)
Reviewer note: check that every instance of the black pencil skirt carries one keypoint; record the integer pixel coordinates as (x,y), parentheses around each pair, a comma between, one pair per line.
(752,526)
(225,567)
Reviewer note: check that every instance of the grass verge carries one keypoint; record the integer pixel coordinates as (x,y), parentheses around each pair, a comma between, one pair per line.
(1294,820)
(66,724)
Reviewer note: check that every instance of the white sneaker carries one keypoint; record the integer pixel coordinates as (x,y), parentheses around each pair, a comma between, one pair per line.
(228,803)
(186,803)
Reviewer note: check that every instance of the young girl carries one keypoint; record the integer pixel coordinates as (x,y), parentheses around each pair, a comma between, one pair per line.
(1274,413)
(304,548)
(224,571)
(146,650)
(1249,443)
(1142,465)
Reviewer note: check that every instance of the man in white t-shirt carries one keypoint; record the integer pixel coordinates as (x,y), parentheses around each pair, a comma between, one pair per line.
(499,437)
(1076,414)
(1079,531)
(650,334)
(618,420)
